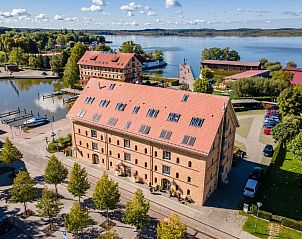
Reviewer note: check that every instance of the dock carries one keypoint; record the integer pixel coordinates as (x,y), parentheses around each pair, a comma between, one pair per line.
(186,75)
(70,99)
(21,117)
(9,113)
(70,91)
(51,95)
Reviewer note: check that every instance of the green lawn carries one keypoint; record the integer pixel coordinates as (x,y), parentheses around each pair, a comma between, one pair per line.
(240,145)
(263,229)
(281,192)
(251,112)
(245,126)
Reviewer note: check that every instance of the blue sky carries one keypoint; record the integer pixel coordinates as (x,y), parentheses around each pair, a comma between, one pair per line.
(142,14)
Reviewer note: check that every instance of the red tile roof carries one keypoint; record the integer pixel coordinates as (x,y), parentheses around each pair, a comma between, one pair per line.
(232,63)
(110,60)
(297,75)
(247,74)
(208,107)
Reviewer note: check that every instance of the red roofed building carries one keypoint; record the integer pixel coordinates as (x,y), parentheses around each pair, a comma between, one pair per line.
(177,139)
(231,65)
(112,66)
(297,79)
(247,74)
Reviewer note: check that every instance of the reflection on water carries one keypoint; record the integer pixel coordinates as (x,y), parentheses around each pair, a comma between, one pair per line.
(24,93)
(51,104)
(250,48)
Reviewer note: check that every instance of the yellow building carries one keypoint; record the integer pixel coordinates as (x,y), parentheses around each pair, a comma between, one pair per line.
(177,139)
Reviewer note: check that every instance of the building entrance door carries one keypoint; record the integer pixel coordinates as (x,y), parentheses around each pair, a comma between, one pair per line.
(166,184)
(95,159)
(127,171)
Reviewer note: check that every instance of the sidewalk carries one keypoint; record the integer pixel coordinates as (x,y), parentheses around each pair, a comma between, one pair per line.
(203,219)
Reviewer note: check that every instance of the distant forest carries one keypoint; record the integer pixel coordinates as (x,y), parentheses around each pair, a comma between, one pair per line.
(240,32)
(243,32)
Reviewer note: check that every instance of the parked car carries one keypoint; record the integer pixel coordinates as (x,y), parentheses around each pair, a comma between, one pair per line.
(269,124)
(256,173)
(268,150)
(267,131)
(250,188)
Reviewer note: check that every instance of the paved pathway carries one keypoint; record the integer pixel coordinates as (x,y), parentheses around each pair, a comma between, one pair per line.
(202,219)
(253,145)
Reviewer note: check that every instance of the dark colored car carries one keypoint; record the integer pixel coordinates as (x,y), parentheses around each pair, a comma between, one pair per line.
(256,174)
(268,150)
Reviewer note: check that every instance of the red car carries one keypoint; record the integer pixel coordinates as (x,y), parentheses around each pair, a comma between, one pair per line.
(267,131)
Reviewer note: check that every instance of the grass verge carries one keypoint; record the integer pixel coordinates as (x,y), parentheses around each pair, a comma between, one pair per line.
(245,126)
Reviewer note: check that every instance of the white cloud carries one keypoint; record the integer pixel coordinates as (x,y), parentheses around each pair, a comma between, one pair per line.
(41,17)
(142,12)
(131,6)
(172,3)
(92,8)
(16,12)
(130,14)
(98,2)
(133,24)
(151,13)
(239,10)
(59,18)
(71,19)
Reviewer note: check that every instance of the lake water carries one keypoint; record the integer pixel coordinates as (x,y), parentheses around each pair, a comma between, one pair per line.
(176,48)
(23,93)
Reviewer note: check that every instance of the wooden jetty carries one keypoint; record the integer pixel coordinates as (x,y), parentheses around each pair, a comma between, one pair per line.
(71,91)
(70,99)
(186,75)
(13,112)
(51,95)
(21,117)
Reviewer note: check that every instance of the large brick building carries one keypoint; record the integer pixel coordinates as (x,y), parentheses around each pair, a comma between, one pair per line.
(181,140)
(112,66)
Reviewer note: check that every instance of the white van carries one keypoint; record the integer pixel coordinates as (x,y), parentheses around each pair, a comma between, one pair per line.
(250,188)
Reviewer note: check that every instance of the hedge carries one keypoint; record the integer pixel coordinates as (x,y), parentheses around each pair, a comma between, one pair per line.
(262,214)
(291,223)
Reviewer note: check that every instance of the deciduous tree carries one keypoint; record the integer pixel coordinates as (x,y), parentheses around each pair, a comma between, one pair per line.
(106,194)
(72,72)
(9,152)
(136,211)
(285,132)
(77,219)
(295,146)
(49,205)
(206,74)
(216,53)
(55,172)
(203,86)
(131,47)
(171,229)
(290,101)
(291,64)
(17,56)
(282,76)
(23,189)
(78,182)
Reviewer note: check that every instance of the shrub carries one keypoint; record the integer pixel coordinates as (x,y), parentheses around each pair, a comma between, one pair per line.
(287,222)
(262,214)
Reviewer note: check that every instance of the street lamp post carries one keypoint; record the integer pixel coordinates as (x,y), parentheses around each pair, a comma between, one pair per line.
(259,204)
(46,140)
(52,133)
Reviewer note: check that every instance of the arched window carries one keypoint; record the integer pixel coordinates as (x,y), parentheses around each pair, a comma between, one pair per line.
(177,175)
(189,179)
(189,164)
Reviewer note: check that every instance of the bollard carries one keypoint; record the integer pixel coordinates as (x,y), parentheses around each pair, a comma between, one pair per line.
(53,119)
(24,111)
(38,114)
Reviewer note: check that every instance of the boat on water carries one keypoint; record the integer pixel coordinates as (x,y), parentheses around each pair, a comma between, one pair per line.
(153,64)
(36,121)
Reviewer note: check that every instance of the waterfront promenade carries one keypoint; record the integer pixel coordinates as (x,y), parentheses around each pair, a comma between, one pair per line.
(27,74)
